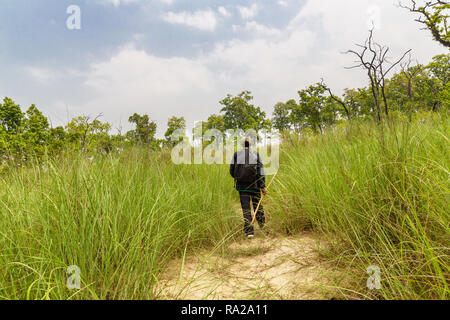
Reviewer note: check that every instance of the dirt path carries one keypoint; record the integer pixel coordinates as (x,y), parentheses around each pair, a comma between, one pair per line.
(266,267)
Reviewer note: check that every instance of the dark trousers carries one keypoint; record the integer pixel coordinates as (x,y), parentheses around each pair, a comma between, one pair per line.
(245,203)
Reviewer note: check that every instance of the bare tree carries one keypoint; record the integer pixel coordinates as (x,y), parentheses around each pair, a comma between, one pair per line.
(338,100)
(432,16)
(411,73)
(373,58)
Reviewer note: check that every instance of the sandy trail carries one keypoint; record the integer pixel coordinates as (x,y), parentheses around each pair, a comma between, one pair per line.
(266,267)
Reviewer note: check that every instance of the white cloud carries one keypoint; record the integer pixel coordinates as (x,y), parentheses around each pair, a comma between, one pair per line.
(138,37)
(41,75)
(136,81)
(257,29)
(167,2)
(395,27)
(282,3)
(48,76)
(224,12)
(139,71)
(248,12)
(204,20)
(274,64)
(117,3)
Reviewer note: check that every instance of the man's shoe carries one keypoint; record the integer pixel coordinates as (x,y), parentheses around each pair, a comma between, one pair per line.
(250,236)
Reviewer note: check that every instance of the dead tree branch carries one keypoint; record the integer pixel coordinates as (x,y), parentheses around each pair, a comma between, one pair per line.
(373,57)
(433,17)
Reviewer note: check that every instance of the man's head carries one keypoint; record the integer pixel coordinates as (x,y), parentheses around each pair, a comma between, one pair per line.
(247,143)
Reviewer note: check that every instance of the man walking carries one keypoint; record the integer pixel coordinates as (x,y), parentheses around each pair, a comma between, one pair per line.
(248,172)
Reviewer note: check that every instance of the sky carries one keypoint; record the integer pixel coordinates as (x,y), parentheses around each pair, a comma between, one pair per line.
(170,58)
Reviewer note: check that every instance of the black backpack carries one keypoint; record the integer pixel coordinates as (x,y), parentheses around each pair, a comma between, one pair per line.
(246,172)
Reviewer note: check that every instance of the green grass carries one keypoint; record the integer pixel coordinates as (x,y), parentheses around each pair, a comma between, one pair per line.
(119,218)
(381,196)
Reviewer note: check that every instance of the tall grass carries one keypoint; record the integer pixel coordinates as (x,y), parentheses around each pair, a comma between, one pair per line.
(119,218)
(381,194)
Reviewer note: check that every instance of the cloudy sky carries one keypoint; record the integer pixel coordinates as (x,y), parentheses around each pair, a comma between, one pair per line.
(179,57)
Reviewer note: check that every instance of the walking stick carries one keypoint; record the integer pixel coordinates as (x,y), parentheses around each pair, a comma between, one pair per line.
(260,200)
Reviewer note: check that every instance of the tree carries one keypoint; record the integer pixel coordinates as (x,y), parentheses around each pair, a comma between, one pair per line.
(3,141)
(36,130)
(145,129)
(86,131)
(215,122)
(57,139)
(439,83)
(338,100)
(11,116)
(281,116)
(377,67)
(297,117)
(358,101)
(11,120)
(440,68)
(433,15)
(173,125)
(411,73)
(318,110)
(240,114)
(418,87)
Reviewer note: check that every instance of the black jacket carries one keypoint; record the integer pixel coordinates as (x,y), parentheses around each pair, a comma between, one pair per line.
(249,157)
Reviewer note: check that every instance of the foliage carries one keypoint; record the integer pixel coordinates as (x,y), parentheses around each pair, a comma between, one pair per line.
(240,114)
(317,109)
(281,120)
(434,15)
(145,129)
(26,135)
(175,125)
